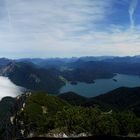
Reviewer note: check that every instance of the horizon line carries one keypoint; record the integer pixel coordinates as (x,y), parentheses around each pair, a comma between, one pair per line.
(69,57)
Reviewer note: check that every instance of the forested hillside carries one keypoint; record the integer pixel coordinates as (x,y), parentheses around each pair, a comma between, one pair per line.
(40,114)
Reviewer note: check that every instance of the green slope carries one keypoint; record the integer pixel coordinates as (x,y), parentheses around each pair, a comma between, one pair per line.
(73,98)
(41,114)
(119,99)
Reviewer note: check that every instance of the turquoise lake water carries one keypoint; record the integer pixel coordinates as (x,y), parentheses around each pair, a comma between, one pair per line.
(102,85)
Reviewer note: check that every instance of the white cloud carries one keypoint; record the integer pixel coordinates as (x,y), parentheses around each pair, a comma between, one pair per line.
(7,88)
(42,28)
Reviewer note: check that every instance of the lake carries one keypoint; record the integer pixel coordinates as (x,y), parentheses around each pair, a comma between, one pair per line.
(8,88)
(102,85)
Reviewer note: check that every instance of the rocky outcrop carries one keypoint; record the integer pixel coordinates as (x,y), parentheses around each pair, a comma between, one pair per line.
(9,125)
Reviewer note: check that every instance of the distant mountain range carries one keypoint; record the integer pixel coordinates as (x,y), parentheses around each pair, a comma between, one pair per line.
(41,61)
(134,59)
(49,75)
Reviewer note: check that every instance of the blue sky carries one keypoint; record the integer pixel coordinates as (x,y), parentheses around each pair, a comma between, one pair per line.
(66,28)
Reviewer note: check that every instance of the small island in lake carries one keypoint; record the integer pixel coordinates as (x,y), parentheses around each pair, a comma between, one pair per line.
(115,80)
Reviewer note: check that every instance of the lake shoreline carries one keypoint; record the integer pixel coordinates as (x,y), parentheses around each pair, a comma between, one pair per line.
(101,86)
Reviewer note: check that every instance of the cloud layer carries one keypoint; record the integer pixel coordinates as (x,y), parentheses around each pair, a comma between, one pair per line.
(65,28)
(7,88)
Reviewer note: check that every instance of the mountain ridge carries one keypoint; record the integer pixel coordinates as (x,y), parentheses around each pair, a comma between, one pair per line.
(41,115)
(120,99)
(29,76)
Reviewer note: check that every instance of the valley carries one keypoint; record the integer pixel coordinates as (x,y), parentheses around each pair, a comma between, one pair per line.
(87,76)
